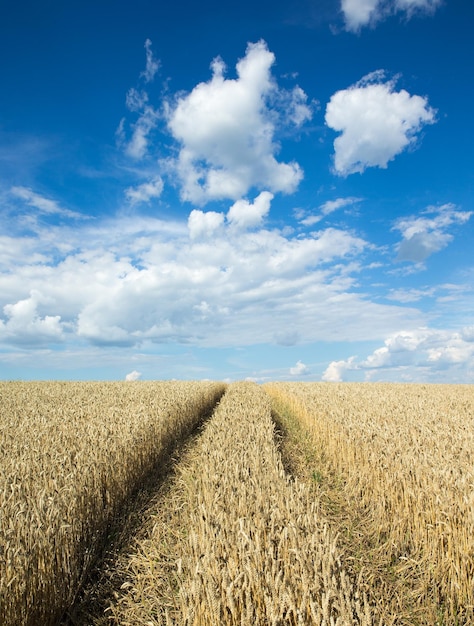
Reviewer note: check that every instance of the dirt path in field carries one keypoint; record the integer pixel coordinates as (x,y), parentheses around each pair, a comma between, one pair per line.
(254,551)
(154,505)
(393,598)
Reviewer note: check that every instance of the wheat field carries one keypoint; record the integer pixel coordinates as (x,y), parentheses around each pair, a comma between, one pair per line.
(252,550)
(360,511)
(404,458)
(70,456)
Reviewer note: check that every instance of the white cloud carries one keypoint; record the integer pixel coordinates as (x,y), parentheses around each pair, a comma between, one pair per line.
(333,205)
(411,295)
(226,130)
(300,369)
(397,349)
(44,205)
(467,333)
(329,207)
(137,101)
(358,13)
(132,376)
(204,224)
(243,214)
(138,145)
(376,123)
(336,370)
(292,106)
(16,251)
(287,337)
(425,234)
(143,193)
(152,64)
(136,281)
(414,6)
(24,326)
(414,355)
(311,220)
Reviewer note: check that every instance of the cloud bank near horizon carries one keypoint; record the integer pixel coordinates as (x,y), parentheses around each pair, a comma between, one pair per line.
(132,282)
(419,354)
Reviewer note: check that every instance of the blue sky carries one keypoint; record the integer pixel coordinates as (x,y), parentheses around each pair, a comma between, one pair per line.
(264,190)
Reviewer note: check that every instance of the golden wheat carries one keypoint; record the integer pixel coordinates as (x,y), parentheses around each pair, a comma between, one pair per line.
(405,454)
(250,547)
(70,455)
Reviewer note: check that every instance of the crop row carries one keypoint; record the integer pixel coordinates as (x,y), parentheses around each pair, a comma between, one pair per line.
(249,544)
(70,456)
(404,455)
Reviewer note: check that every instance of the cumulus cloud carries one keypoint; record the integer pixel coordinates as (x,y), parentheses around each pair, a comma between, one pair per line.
(136,282)
(132,376)
(300,369)
(418,354)
(425,234)
(335,371)
(376,123)
(204,224)
(24,325)
(143,193)
(244,214)
(226,129)
(359,13)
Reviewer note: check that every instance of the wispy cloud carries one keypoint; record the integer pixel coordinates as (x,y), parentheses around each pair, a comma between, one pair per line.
(142,194)
(425,234)
(137,101)
(42,204)
(376,123)
(359,13)
(329,207)
(411,295)
(152,64)
(137,146)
